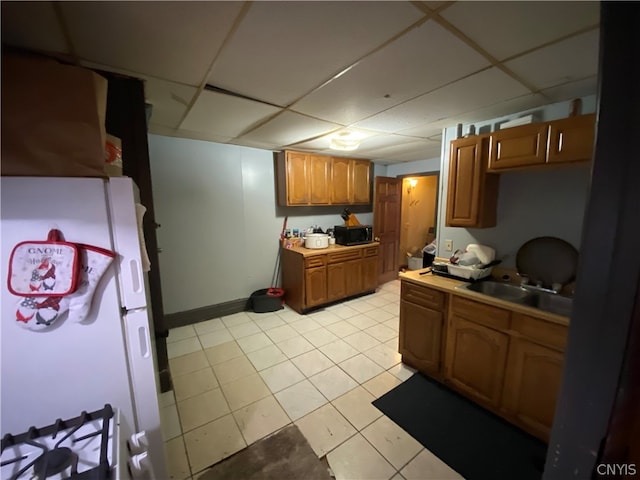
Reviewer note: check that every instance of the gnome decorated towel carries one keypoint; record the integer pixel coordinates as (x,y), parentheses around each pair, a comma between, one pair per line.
(38,313)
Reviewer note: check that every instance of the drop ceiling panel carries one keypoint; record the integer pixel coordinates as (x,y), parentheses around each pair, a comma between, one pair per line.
(282,50)
(32,25)
(176,41)
(471,93)
(289,128)
(169,101)
(422,60)
(323,143)
(226,115)
(373,144)
(173,132)
(408,151)
(567,61)
(508,28)
(580,88)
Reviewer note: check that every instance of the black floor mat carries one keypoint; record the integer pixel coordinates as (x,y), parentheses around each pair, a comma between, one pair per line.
(474,442)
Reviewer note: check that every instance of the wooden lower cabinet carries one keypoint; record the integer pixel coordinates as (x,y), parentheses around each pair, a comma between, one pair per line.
(314,280)
(531,385)
(369,273)
(420,337)
(508,362)
(475,359)
(316,286)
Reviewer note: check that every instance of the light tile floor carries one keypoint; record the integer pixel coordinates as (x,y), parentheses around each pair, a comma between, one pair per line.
(242,377)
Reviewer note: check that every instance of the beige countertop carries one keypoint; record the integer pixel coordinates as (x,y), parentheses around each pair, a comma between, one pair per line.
(309,252)
(449,285)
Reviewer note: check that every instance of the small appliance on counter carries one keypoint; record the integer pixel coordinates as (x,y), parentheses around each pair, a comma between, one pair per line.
(316,240)
(353,235)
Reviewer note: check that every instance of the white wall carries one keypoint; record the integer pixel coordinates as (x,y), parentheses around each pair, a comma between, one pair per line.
(220,222)
(530,204)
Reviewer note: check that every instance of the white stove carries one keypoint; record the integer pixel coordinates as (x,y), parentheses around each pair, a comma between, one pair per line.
(86,447)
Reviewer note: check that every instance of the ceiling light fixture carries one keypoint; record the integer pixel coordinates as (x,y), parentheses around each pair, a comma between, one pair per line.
(345,141)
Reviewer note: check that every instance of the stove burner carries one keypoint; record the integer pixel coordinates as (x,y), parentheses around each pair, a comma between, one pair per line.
(52,459)
(55,461)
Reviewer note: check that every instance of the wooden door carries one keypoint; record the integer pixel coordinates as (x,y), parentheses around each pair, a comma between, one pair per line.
(315,286)
(532,383)
(319,179)
(420,337)
(341,181)
(571,139)
(518,147)
(297,179)
(475,360)
(386,226)
(336,283)
(360,181)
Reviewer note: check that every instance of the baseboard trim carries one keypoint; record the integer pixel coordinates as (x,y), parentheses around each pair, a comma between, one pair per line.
(189,317)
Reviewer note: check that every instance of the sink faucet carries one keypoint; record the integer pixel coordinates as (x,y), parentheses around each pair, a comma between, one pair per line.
(524,283)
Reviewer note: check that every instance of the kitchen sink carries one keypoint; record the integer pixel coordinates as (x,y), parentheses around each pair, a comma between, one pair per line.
(549,302)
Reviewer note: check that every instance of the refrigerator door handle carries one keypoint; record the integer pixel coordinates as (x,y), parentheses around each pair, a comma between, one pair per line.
(143,337)
(136,279)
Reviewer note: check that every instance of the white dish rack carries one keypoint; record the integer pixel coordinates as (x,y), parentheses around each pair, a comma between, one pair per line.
(468,272)
(461,271)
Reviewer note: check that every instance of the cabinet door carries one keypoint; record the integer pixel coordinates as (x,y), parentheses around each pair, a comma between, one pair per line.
(475,359)
(336,274)
(420,337)
(531,386)
(315,286)
(319,180)
(518,147)
(361,182)
(571,139)
(297,179)
(369,273)
(472,194)
(353,277)
(341,181)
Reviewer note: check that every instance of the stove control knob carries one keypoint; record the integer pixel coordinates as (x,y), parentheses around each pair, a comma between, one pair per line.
(138,442)
(140,465)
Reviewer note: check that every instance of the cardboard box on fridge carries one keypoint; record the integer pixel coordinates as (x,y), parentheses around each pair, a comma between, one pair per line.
(52,118)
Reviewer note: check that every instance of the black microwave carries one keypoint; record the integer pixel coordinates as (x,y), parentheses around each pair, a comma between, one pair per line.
(356,235)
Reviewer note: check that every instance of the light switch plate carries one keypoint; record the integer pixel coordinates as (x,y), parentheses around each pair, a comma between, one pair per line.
(448,245)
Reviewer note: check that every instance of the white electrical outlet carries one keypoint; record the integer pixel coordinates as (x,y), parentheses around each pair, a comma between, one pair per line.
(448,245)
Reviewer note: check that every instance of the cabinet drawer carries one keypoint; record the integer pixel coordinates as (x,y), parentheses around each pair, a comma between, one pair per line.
(344,256)
(481,313)
(370,251)
(315,261)
(427,297)
(546,333)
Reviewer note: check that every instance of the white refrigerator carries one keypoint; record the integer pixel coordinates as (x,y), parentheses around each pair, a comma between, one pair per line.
(71,367)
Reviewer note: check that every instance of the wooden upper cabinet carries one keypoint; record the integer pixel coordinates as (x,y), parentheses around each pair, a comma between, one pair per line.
(308,179)
(571,139)
(361,181)
(341,188)
(320,179)
(472,194)
(297,178)
(561,141)
(518,146)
